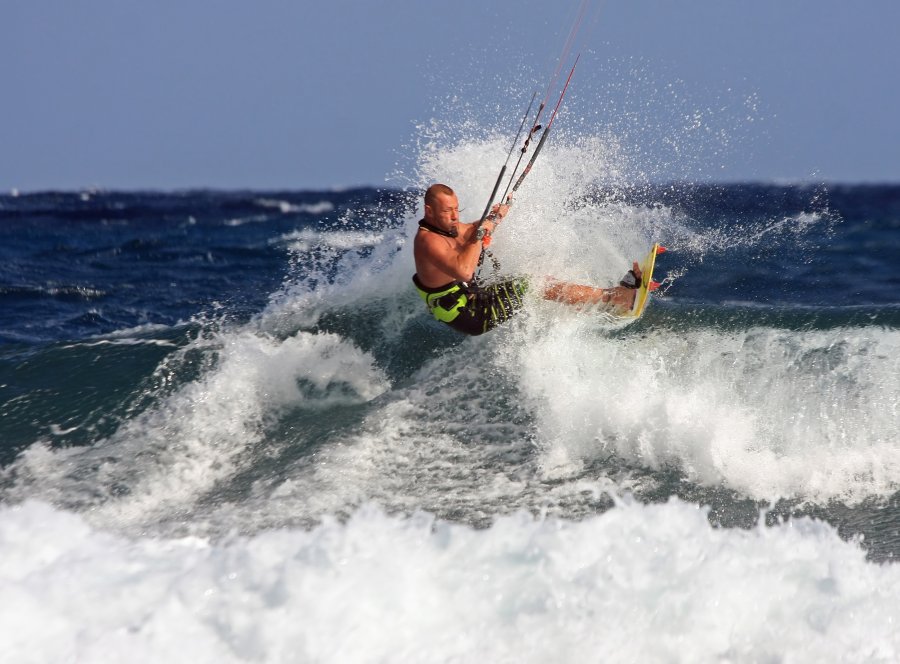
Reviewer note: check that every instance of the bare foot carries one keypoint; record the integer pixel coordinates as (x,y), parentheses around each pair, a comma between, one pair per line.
(637,270)
(622,297)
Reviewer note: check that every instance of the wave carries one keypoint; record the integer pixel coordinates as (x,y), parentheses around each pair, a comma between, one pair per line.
(166,458)
(768,413)
(638,583)
(307,239)
(286,207)
(66,293)
(341,390)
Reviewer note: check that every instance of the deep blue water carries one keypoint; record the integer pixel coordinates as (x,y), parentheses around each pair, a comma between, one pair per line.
(76,264)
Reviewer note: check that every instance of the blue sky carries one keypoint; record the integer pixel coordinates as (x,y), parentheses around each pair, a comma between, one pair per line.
(299,94)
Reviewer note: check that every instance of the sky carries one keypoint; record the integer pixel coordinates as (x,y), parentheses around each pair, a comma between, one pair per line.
(307,94)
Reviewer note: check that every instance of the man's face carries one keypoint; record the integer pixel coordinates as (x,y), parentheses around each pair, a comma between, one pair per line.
(445,212)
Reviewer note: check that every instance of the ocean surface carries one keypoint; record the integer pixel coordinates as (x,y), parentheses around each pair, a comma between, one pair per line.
(230,432)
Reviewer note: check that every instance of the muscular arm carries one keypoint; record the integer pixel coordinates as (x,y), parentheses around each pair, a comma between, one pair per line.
(440,259)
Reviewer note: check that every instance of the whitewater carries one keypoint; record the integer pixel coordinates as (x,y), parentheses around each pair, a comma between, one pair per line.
(231,432)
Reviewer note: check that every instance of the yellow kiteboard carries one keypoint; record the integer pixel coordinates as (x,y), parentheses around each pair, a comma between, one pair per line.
(647,284)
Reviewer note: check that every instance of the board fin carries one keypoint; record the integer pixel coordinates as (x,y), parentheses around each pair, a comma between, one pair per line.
(660,249)
(653,285)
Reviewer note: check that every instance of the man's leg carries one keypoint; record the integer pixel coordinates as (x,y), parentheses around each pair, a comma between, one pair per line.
(579,295)
(618,296)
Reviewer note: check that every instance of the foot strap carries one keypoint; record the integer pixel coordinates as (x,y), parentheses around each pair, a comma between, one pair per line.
(630,280)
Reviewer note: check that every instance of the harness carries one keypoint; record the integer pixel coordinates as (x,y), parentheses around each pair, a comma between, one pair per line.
(445,302)
(434,229)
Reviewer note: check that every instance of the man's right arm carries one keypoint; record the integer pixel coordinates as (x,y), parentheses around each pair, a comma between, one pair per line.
(456,260)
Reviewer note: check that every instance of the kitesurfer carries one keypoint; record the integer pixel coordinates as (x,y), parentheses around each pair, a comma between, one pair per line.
(447,253)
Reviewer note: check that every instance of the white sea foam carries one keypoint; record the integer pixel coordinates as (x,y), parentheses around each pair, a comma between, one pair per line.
(240,221)
(167,457)
(286,207)
(307,238)
(765,412)
(145,329)
(757,234)
(342,278)
(138,335)
(637,583)
(124,341)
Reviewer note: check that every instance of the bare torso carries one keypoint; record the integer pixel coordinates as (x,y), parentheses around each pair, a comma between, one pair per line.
(440,259)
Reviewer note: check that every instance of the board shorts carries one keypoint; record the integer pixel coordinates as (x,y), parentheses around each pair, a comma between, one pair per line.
(473,309)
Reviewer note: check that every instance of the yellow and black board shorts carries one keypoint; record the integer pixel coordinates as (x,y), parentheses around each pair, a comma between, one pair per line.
(473,309)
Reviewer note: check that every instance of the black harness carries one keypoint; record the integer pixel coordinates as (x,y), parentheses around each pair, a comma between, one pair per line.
(434,229)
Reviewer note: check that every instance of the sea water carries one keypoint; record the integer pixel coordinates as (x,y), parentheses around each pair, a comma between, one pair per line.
(230,431)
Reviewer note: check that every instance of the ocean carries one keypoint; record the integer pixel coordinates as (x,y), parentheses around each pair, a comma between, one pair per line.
(230,432)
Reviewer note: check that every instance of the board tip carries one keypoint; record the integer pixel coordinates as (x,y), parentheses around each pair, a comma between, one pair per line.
(653,286)
(660,249)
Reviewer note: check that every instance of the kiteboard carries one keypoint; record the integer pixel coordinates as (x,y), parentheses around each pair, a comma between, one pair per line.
(647,284)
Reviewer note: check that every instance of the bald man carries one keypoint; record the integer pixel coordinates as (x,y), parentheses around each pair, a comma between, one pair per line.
(447,254)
